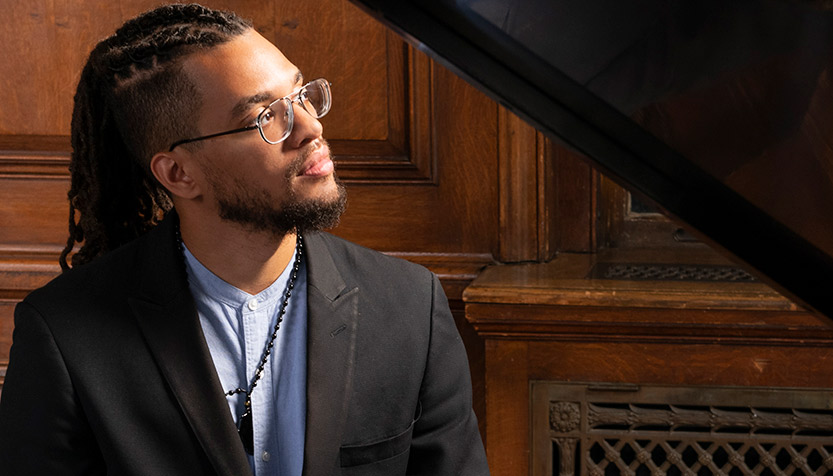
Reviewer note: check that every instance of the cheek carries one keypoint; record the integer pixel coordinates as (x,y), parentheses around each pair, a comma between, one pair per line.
(253,162)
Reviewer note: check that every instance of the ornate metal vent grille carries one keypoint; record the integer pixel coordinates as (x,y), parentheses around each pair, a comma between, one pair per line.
(658,272)
(686,431)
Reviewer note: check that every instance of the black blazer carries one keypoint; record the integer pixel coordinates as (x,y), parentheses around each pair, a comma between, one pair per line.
(110,374)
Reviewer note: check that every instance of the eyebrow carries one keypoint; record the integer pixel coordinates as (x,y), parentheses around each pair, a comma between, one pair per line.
(243,106)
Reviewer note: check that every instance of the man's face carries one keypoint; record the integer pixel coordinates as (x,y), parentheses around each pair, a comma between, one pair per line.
(264,187)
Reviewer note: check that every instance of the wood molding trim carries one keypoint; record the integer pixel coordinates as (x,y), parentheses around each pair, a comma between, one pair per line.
(40,165)
(666,326)
(526,192)
(32,156)
(23,269)
(547,195)
(556,301)
(518,164)
(408,154)
(456,271)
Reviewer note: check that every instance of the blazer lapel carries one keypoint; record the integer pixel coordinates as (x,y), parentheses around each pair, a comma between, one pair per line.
(167,316)
(331,344)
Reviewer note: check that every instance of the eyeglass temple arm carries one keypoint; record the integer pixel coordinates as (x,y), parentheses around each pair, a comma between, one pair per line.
(210,136)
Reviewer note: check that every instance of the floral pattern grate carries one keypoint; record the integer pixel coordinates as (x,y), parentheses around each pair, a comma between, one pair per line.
(685,431)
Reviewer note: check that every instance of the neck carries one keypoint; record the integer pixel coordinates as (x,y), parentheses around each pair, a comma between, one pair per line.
(248,260)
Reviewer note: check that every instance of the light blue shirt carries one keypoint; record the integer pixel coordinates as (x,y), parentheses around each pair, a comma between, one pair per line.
(237,326)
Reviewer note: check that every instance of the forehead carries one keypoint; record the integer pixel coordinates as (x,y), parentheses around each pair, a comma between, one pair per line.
(247,65)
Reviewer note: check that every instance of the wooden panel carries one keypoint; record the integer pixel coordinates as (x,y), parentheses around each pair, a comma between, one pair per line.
(528,192)
(548,227)
(45,45)
(457,215)
(379,127)
(6,326)
(260,13)
(407,153)
(512,362)
(323,38)
(576,190)
(691,364)
(518,182)
(507,429)
(33,212)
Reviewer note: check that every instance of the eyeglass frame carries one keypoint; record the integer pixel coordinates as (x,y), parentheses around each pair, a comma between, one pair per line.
(291,111)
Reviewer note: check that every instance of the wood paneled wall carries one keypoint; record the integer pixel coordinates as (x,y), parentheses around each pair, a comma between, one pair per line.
(426,157)
(437,173)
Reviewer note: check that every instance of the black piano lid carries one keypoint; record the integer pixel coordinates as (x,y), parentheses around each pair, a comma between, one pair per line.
(720,113)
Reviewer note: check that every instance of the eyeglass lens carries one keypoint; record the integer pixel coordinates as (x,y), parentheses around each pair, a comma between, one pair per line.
(276,121)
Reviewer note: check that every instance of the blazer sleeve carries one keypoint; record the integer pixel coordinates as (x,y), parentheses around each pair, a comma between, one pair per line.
(43,430)
(446,439)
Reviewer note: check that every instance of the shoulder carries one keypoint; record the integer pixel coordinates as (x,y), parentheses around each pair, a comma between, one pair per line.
(334,262)
(87,277)
(91,284)
(357,259)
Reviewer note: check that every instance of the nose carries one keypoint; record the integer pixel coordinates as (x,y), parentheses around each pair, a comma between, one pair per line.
(305,128)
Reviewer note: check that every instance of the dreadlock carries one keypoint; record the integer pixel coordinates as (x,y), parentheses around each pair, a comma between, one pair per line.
(133,100)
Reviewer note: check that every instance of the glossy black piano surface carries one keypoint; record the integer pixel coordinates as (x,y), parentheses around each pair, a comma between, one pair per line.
(720,113)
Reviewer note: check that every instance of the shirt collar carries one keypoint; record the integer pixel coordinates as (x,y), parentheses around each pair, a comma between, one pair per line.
(212,286)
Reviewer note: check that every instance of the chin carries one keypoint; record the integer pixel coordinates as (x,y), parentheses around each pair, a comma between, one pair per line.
(323,188)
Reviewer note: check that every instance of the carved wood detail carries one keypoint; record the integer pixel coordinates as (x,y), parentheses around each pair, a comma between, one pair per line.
(407,154)
(526,166)
(654,429)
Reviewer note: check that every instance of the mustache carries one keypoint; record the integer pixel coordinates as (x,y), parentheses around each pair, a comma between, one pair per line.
(297,164)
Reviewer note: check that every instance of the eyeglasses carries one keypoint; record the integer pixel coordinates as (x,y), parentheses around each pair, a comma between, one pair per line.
(276,120)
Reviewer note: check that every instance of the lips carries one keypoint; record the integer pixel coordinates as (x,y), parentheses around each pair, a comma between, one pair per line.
(318,163)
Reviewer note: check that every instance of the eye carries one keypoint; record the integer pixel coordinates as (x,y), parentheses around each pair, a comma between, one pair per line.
(267,116)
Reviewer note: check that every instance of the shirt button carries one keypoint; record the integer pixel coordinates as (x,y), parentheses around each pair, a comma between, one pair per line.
(265,456)
(253,305)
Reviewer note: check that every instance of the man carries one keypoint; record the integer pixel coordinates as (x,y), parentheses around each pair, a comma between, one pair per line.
(206,327)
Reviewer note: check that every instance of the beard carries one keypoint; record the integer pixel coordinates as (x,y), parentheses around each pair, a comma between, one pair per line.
(259,211)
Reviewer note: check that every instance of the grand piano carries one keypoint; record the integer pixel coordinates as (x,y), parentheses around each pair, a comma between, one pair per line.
(750,169)
(720,115)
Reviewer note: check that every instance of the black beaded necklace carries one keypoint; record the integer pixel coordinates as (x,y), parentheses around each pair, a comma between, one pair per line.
(244,424)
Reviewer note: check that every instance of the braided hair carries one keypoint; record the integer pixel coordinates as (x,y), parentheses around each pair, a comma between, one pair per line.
(133,100)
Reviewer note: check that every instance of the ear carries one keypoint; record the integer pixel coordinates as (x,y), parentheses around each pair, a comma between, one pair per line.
(171,170)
